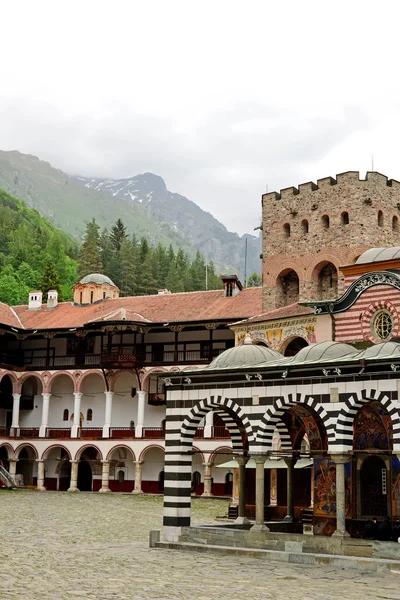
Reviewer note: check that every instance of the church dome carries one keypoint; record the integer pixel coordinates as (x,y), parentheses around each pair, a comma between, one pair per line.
(323,351)
(378,254)
(96,278)
(245,356)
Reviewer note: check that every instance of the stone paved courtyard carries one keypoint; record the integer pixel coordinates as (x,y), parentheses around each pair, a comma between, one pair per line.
(58,546)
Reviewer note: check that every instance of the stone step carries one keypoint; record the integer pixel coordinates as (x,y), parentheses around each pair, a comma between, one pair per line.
(335,560)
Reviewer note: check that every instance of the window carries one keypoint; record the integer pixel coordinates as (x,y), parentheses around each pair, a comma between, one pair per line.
(382,324)
(91,297)
(89,415)
(104,295)
(395,224)
(80,297)
(304,226)
(229,290)
(325,221)
(286,230)
(66,414)
(380,218)
(121,477)
(345,218)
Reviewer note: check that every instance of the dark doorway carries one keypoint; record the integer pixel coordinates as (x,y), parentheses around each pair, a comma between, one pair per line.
(373,492)
(161,481)
(228,484)
(25,466)
(294,346)
(64,476)
(84,476)
(4,458)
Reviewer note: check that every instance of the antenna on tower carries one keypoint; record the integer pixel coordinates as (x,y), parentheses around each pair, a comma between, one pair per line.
(245,265)
(372,162)
(266,188)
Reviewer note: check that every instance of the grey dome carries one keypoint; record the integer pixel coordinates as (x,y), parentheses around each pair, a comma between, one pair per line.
(385,349)
(247,355)
(378,254)
(97,278)
(323,351)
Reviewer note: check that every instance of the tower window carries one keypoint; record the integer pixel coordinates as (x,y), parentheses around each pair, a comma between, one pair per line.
(325,221)
(304,226)
(104,295)
(66,414)
(80,297)
(229,290)
(395,224)
(91,297)
(380,218)
(286,230)
(89,415)
(345,218)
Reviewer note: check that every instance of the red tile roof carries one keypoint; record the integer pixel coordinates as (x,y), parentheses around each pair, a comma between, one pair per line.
(8,316)
(291,310)
(165,308)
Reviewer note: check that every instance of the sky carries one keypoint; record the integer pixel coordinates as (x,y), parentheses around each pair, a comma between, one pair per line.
(223,99)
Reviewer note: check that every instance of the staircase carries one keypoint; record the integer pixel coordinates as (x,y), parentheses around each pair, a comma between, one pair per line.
(6,479)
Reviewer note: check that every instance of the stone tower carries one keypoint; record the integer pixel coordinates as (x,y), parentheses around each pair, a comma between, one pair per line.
(311,231)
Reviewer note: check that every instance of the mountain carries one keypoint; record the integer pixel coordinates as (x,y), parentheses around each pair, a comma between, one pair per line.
(143,202)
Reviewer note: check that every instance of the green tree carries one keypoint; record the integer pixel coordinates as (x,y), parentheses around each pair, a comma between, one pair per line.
(89,256)
(12,291)
(50,281)
(118,235)
(127,264)
(255,280)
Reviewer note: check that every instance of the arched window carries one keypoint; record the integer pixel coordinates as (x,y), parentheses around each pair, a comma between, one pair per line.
(65,414)
(325,221)
(104,295)
(91,297)
(286,230)
(380,218)
(80,297)
(345,218)
(395,224)
(121,477)
(287,288)
(304,226)
(196,479)
(89,415)
(327,282)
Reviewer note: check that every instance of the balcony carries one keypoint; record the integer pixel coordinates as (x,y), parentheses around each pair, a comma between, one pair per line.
(91,432)
(32,432)
(153,432)
(220,432)
(122,433)
(58,433)
(123,360)
(4,432)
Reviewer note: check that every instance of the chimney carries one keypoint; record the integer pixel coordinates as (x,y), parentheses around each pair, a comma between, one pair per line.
(52,299)
(163,292)
(35,300)
(232,285)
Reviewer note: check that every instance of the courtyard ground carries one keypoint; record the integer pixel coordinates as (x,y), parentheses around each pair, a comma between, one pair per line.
(91,546)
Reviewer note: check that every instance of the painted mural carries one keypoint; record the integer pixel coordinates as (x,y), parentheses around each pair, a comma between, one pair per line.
(373,428)
(325,487)
(395,487)
(275,333)
(309,427)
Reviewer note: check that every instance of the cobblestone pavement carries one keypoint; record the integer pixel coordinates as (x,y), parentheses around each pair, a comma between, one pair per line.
(91,546)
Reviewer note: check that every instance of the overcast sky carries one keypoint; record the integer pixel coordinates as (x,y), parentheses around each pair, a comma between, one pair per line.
(221,98)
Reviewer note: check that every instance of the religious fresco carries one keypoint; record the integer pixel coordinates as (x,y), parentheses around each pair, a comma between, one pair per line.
(309,427)
(395,487)
(325,487)
(275,333)
(373,428)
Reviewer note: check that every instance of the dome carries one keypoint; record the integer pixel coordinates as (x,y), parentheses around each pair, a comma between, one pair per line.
(383,350)
(96,278)
(245,356)
(323,351)
(378,254)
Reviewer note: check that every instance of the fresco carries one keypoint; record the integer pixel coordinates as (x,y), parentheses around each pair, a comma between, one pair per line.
(395,487)
(274,333)
(310,427)
(325,487)
(373,428)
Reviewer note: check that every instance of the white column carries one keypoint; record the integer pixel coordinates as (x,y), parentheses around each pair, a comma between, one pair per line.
(77,414)
(241,518)
(45,414)
(15,413)
(73,485)
(140,414)
(259,525)
(105,476)
(108,414)
(207,478)
(40,477)
(12,469)
(209,424)
(138,477)
(340,460)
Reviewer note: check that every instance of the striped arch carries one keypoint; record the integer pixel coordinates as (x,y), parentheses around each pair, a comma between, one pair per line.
(30,374)
(344,427)
(224,408)
(9,448)
(52,447)
(273,419)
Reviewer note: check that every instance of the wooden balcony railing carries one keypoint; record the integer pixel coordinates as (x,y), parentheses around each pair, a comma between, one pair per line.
(29,432)
(58,432)
(4,432)
(153,432)
(122,432)
(91,432)
(199,432)
(220,432)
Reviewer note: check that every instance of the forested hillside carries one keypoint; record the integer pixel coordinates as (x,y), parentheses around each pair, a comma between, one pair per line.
(34,254)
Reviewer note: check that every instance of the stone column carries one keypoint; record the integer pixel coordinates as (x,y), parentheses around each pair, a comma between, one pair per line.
(140,414)
(290,462)
(77,414)
(209,424)
(73,486)
(259,524)
(241,519)
(108,414)
(12,469)
(340,460)
(138,477)
(45,414)
(15,414)
(207,478)
(105,476)
(40,477)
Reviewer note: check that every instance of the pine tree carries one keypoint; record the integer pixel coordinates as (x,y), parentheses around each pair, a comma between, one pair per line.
(255,280)
(118,235)
(50,281)
(127,264)
(197,272)
(89,256)
(147,283)
(173,282)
